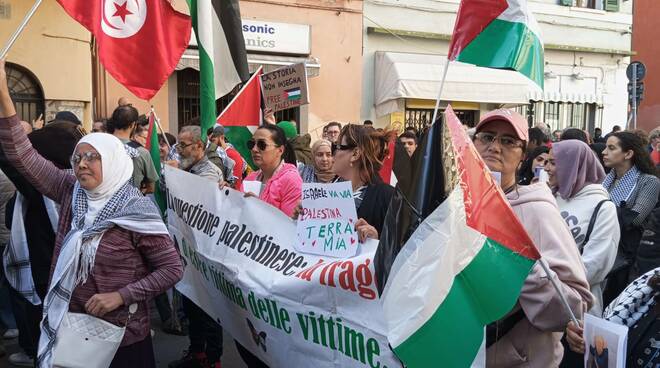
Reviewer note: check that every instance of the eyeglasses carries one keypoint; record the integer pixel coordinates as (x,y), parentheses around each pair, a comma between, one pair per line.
(88,156)
(261,144)
(181,146)
(504,140)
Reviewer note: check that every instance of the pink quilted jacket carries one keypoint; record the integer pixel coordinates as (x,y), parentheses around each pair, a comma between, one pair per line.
(283,190)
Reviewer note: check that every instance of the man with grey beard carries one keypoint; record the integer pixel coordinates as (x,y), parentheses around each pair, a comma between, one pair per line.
(205,333)
(192,158)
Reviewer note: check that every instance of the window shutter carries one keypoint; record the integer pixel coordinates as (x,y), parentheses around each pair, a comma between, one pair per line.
(612,5)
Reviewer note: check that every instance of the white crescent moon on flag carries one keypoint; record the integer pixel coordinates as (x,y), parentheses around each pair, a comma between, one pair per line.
(123,18)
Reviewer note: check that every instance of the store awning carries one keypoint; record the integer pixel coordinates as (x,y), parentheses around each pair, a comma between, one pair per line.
(584,98)
(190,59)
(403,75)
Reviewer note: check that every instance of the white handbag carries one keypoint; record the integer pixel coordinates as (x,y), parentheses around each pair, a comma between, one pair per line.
(84,341)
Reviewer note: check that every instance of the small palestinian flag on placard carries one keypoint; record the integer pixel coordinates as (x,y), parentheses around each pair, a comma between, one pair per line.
(292,94)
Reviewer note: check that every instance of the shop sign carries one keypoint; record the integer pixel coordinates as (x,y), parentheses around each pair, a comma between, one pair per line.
(272,37)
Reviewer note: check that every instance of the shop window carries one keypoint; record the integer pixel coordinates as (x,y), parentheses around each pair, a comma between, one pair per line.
(551,113)
(608,5)
(26,92)
(419,118)
(188,96)
(562,115)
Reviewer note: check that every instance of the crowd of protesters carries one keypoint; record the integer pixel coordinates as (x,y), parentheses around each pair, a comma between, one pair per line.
(97,243)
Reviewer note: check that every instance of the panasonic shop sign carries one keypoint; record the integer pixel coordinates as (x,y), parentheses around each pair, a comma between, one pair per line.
(272,37)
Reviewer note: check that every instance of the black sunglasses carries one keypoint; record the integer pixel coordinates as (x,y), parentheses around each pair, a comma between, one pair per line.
(342,147)
(261,144)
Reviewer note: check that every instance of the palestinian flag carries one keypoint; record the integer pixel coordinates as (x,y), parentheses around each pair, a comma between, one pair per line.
(243,115)
(222,56)
(292,94)
(154,150)
(500,34)
(463,266)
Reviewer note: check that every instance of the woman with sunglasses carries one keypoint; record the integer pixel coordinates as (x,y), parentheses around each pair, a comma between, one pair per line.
(281,185)
(530,335)
(321,169)
(358,157)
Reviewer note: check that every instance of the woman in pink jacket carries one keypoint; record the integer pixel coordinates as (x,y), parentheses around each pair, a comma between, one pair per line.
(529,336)
(281,185)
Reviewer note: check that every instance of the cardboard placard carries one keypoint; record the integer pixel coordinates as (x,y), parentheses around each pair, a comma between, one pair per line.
(326,226)
(285,87)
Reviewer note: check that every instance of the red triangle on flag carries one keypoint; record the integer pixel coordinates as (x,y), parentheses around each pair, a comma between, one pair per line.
(473,17)
(245,108)
(486,208)
(388,164)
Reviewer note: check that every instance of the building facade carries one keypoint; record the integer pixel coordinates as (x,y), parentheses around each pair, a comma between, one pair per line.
(647,50)
(325,34)
(587,49)
(50,66)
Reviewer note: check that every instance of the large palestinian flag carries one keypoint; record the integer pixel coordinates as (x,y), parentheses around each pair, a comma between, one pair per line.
(222,56)
(499,34)
(463,266)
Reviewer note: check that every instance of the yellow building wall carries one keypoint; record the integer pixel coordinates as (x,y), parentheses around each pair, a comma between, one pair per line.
(55,48)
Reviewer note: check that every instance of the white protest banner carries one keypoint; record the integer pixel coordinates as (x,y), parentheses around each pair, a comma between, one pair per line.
(289,309)
(285,87)
(326,226)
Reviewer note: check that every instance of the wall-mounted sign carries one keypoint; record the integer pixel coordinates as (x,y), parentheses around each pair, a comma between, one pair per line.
(281,38)
(273,37)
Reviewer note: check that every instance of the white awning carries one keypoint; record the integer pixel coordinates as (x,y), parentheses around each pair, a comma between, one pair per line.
(584,98)
(190,59)
(403,75)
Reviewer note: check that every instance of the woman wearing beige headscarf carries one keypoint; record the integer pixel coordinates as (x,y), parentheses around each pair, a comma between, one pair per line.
(321,171)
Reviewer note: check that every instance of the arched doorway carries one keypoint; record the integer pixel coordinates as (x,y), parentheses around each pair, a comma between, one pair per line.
(26,92)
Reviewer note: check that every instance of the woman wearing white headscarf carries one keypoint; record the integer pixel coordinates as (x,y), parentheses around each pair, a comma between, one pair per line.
(112,249)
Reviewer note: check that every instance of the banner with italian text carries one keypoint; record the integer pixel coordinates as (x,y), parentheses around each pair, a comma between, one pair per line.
(288,308)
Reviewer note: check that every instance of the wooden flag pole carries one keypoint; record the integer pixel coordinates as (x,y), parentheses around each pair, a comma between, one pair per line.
(157,121)
(19,30)
(442,86)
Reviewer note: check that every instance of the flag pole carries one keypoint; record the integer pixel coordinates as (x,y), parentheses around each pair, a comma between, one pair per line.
(157,121)
(19,30)
(442,85)
(559,291)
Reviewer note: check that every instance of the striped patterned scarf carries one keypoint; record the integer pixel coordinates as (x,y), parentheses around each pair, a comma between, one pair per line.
(128,209)
(620,192)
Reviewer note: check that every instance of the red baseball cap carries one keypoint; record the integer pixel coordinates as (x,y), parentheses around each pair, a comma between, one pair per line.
(517,121)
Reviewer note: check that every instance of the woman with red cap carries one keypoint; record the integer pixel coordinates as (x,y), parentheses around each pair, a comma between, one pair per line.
(530,335)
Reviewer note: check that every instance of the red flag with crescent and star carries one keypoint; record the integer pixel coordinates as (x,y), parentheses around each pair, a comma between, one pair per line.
(139,42)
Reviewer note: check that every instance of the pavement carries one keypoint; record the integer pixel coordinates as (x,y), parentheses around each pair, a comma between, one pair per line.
(167,348)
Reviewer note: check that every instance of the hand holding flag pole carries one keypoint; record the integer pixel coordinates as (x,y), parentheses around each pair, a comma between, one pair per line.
(19,30)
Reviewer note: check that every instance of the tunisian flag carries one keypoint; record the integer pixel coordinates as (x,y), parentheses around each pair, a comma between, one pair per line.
(140,42)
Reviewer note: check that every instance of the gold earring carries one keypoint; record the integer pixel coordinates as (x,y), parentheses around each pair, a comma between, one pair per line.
(351,164)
